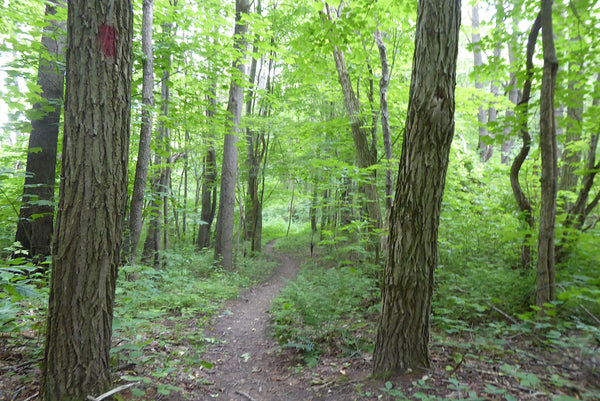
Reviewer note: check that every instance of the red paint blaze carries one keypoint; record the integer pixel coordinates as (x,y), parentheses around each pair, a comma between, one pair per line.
(107,36)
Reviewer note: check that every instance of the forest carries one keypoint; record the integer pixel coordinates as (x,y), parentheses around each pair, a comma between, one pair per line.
(258,200)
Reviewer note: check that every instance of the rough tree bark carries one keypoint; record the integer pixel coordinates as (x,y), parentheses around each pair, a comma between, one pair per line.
(522,119)
(546,291)
(35,224)
(225,215)
(143,159)
(403,328)
(93,198)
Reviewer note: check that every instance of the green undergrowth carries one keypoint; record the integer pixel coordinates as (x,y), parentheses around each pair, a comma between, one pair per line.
(326,309)
(160,314)
(297,242)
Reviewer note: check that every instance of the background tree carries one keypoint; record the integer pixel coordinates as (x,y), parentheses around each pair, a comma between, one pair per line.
(546,270)
(522,112)
(403,327)
(143,157)
(224,227)
(485,149)
(35,224)
(93,196)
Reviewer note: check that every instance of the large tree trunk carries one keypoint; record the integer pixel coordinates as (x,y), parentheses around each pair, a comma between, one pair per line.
(35,225)
(523,117)
(143,159)
(93,198)
(546,291)
(224,228)
(403,328)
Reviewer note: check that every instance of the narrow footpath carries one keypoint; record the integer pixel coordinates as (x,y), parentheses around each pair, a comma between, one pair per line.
(246,365)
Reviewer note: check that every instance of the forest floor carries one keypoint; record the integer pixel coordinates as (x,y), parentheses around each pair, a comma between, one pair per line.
(242,362)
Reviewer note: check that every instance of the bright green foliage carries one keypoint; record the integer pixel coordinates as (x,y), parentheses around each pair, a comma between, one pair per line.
(326,309)
(481,298)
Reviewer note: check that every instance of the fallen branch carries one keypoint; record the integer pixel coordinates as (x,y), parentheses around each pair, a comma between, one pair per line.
(20,366)
(245,395)
(32,397)
(594,318)
(111,392)
(500,311)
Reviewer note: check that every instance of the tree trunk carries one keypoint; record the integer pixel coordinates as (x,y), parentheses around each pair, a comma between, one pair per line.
(143,159)
(35,225)
(366,156)
(93,198)
(385,121)
(485,151)
(225,216)
(580,209)
(546,291)
(513,95)
(161,183)
(572,157)
(253,228)
(403,328)
(523,117)
(209,177)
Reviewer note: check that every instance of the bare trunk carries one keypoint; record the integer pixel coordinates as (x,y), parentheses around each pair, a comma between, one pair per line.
(35,225)
(225,216)
(403,328)
(366,156)
(485,150)
(93,198)
(209,178)
(143,159)
(385,121)
(546,291)
(522,118)
(158,206)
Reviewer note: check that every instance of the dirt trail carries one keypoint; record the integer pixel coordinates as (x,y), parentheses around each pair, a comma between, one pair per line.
(245,360)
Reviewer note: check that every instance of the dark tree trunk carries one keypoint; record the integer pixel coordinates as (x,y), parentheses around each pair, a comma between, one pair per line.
(403,328)
(546,291)
(35,225)
(93,198)
(209,178)
(143,159)
(225,215)
(522,118)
